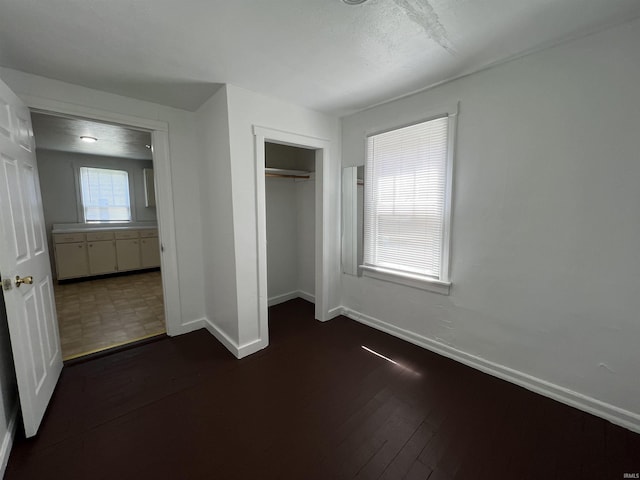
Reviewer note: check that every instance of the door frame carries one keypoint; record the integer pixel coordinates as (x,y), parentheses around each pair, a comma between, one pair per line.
(164,191)
(322,266)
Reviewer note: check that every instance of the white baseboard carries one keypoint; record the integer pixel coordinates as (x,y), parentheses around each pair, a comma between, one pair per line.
(307,296)
(285,297)
(187,327)
(222,337)
(619,416)
(251,347)
(335,312)
(7,441)
(239,351)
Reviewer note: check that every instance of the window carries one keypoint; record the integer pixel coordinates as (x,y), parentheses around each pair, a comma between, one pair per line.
(407,204)
(105,195)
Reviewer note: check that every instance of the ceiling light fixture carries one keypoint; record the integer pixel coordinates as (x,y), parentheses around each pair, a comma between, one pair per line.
(354,2)
(148,146)
(87,139)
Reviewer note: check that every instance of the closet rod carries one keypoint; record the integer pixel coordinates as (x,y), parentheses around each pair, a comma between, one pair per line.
(284,173)
(280,175)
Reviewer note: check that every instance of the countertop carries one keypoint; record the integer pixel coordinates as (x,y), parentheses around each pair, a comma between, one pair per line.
(84,228)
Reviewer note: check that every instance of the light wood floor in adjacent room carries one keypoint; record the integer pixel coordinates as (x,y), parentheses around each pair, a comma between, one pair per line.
(105,312)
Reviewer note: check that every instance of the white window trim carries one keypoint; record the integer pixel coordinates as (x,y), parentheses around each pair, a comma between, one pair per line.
(414,281)
(76,165)
(442,285)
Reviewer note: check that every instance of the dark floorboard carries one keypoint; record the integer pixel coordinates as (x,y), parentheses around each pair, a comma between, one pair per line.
(314,405)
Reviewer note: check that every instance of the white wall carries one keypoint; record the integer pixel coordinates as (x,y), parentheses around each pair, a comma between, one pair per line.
(282,236)
(306,235)
(185,169)
(217,220)
(247,109)
(57,173)
(546,225)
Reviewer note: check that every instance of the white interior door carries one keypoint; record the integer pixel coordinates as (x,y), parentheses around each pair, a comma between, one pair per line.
(24,255)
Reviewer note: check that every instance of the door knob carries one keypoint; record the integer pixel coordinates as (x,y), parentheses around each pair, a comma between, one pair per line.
(19,281)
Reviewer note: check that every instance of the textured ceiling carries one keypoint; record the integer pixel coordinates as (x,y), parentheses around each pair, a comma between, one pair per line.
(321,54)
(63,134)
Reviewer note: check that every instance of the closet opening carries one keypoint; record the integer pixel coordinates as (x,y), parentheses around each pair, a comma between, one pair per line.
(296,175)
(290,200)
(101,223)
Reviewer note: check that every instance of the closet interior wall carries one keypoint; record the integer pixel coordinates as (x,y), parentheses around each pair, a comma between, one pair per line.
(290,209)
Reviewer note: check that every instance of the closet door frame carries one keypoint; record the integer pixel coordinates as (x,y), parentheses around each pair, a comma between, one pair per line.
(322,267)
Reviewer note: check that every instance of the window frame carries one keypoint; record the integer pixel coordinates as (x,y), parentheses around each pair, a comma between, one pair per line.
(442,284)
(80,204)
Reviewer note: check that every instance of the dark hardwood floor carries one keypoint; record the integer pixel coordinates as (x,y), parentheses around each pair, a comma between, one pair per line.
(314,405)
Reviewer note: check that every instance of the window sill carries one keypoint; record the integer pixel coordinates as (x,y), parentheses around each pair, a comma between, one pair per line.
(414,281)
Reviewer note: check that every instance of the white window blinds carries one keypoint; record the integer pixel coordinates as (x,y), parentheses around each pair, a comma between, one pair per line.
(105,195)
(405,188)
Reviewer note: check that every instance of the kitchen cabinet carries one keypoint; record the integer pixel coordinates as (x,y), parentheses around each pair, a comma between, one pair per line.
(128,254)
(149,249)
(101,252)
(71,260)
(102,257)
(105,251)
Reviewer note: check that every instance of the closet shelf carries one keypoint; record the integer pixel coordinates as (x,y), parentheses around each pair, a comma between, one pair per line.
(280,172)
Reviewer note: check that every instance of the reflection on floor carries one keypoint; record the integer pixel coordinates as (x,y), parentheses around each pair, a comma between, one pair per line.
(101,313)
